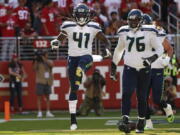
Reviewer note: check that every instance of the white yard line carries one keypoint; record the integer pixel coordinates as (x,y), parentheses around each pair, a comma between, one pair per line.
(79,118)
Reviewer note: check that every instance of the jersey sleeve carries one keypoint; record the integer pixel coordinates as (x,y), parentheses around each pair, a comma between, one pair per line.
(156,44)
(119,50)
(161,34)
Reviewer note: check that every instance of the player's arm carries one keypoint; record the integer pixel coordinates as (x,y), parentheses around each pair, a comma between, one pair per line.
(159,49)
(100,35)
(119,50)
(56,42)
(169,52)
(167,47)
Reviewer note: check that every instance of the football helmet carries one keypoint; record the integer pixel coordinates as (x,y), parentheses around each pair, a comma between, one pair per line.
(81,14)
(135,18)
(147,19)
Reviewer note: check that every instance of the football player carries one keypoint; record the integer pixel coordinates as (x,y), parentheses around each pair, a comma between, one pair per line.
(157,76)
(137,40)
(80,34)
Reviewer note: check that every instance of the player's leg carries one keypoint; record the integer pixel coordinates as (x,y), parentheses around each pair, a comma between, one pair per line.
(84,64)
(158,88)
(144,77)
(128,87)
(149,124)
(72,65)
(76,67)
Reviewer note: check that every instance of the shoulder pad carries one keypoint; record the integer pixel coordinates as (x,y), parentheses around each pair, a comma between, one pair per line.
(151,28)
(123,29)
(67,24)
(161,32)
(94,25)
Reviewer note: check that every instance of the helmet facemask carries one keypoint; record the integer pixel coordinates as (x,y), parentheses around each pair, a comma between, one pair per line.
(135,18)
(134,21)
(82,16)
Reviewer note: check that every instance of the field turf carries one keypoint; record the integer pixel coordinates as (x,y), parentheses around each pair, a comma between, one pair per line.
(28,124)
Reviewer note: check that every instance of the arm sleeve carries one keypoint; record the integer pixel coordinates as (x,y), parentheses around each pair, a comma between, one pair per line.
(156,44)
(119,50)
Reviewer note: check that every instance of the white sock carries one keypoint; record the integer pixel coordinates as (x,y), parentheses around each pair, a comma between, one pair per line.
(72,106)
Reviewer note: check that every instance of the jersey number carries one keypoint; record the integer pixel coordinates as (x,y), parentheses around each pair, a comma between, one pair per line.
(78,37)
(140,47)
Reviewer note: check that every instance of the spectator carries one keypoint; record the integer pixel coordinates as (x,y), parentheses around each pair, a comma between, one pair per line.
(17,75)
(8,25)
(13,3)
(126,6)
(64,6)
(44,79)
(93,96)
(27,33)
(112,6)
(22,14)
(114,16)
(3,9)
(99,17)
(48,19)
(145,6)
(36,9)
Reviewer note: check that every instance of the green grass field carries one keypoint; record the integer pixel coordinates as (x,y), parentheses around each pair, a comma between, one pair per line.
(105,125)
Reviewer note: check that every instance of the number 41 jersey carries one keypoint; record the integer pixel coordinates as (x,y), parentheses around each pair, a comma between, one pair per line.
(80,38)
(138,44)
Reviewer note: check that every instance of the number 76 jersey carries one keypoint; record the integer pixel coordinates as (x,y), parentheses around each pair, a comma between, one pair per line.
(80,38)
(138,44)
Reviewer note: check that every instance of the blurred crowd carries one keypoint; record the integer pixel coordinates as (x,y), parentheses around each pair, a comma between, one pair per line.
(29,18)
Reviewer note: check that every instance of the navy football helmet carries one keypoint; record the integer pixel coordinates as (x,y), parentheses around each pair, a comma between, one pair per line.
(147,19)
(135,18)
(81,14)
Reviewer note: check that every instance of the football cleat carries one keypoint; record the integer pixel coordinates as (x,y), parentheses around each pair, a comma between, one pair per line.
(169,113)
(73,127)
(124,126)
(149,125)
(39,115)
(140,126)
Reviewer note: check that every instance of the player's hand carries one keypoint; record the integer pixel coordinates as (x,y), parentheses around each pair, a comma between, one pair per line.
(113,74)
(107,54)
(55,44)
(149,60)
(165,60)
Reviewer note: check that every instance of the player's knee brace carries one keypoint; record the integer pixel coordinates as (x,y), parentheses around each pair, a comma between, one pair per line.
(79,75)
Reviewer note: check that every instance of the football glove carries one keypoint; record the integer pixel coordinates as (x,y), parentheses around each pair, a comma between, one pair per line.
(55,44)
(106,53)
(113,74)
(165,61)
(149,60)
